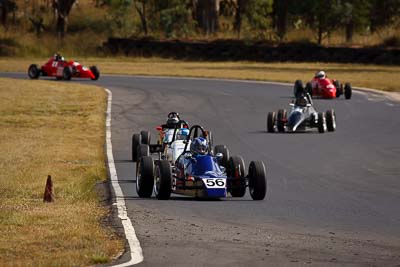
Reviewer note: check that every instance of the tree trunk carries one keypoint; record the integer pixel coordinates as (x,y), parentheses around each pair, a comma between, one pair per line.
(349,31)
(143,18)
(62,9)
(280,18)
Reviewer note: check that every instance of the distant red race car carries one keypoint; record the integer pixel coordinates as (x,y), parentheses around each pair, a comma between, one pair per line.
(321,86)
(63,70)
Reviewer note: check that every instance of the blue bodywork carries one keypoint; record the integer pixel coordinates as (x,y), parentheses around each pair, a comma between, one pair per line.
(206,169)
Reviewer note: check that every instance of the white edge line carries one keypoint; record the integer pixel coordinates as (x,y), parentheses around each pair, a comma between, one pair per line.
(136,252)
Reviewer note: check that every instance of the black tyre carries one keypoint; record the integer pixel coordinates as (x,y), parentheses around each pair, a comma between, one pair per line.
(281,120)
(145,177)
(145,137)
(163,180)
(298,88)
(257,180)
(95,72)
(236,172)
(135,146)
(144,150)
(271,122)
(336,83)
(309,88)
(347,90)
(33,71)
(225,154)
(67,73)
(331,120)
(321,122)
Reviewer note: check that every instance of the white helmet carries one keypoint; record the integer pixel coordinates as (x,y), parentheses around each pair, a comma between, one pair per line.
(320,74)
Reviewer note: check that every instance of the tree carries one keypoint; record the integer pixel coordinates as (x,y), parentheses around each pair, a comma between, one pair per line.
(280,17)
(383,13)
(354,16)
(175,18)
(206,15)
(62,9)
(258,14)
(140,6)
(241,6)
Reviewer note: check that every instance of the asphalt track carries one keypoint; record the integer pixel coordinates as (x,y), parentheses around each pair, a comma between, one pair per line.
(332,199)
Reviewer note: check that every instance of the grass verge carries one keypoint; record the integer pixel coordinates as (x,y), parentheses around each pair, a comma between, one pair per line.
(52,128)
(371,76)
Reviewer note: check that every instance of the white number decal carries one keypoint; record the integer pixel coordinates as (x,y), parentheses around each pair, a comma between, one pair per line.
(54,64)
(214,182)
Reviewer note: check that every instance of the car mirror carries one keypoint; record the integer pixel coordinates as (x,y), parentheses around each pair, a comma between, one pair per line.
(291,104)
(308,105)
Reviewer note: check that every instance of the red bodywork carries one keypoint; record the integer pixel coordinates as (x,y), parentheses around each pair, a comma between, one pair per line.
(323,88)
(55,68)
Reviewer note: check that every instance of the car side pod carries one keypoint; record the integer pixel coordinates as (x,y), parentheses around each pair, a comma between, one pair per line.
(257,180)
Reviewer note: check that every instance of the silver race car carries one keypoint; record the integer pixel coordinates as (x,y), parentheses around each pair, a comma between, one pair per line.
(301,117)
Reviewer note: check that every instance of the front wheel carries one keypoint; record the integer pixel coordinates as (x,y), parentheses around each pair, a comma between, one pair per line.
(135,147)
(96,72)
(236,172)
(33,71)
(309,88)
(67,73)
(271,122)
(281,120)
(257,180)
(145,177)
(298,88)
(331,120)
(163,180)
(145,137)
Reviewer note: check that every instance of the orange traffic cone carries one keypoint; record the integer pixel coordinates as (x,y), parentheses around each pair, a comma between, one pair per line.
(48,190)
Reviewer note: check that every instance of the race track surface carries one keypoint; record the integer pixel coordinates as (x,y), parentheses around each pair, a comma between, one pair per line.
(332,199)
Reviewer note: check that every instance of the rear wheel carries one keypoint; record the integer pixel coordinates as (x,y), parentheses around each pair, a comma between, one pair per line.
(347,91)
(145,137)
(225,154)
(271,122)
(331,120)
(95,72)
(281,120)
(257,180)
(298,88)
(235,172)
(145,177)
(321,122)
(338,89)
(33,71)
(67,73)
(135,146)
(163,180)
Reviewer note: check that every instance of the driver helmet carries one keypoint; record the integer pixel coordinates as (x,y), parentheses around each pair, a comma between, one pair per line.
(58,57)
(171,122)
(320,74)
(199,146)
(182,134)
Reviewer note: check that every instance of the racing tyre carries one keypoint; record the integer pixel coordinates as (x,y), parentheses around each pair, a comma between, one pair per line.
(225,154)
(144,150)
(145,177)
(309,88)
(338,89)
(95,72)
(271,122)
(235,173)
(163,180)
(33,71)
(67,73)
(145,137)
(331,120)
(321,122)
(281,120)
(347,90)
(135,146)
(257,180)
(298,88)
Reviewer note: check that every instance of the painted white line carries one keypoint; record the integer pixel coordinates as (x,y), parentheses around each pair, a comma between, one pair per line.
(136,252)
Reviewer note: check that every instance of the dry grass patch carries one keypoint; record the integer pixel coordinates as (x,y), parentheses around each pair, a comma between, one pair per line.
(372,76)
(58,129)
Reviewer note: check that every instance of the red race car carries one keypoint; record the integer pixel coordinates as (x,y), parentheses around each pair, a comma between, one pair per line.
(321,86)
(63,70)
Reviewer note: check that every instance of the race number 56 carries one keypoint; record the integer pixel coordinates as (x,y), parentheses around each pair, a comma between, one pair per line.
(214,182)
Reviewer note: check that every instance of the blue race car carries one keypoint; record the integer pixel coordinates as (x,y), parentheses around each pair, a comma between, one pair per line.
(200,172)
